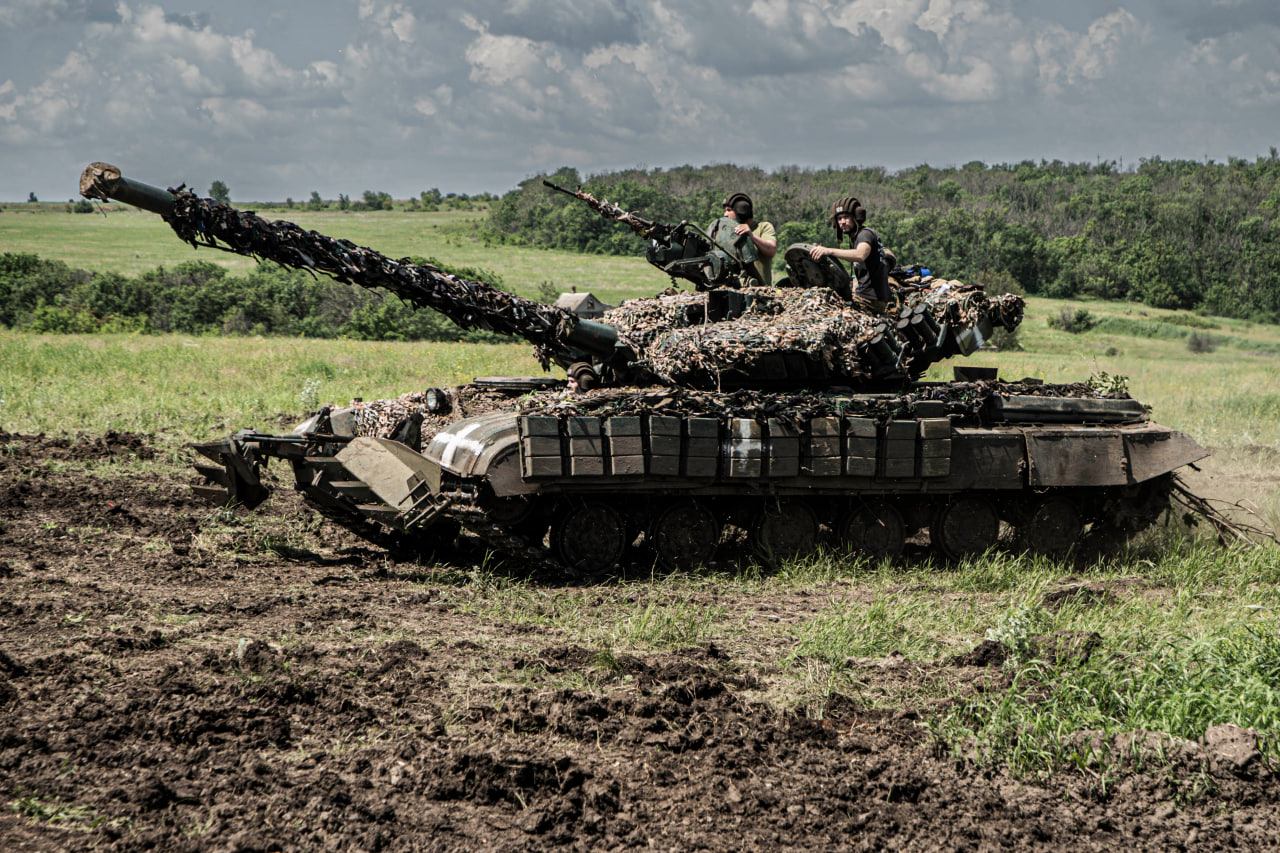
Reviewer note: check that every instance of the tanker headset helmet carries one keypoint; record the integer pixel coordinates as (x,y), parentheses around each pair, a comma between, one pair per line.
(847,206)
(740,204)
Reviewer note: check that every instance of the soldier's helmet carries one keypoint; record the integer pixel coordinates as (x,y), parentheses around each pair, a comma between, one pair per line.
(740,204)
(851,206)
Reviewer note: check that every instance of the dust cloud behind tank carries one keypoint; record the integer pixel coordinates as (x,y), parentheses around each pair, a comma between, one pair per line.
(786,412)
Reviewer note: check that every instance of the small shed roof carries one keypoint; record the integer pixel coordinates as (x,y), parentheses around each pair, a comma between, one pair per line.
(579,301)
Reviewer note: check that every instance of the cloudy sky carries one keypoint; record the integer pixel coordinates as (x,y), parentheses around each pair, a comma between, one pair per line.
(280,98)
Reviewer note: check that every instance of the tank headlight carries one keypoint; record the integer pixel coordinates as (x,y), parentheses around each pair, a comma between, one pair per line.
(438,402)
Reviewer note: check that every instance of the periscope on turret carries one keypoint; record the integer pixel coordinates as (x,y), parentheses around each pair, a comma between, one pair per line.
(789,412)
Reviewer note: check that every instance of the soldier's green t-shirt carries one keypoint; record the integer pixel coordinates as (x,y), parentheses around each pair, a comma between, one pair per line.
(763,265)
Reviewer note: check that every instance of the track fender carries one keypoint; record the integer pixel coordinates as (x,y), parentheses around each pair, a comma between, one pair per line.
(1158,451)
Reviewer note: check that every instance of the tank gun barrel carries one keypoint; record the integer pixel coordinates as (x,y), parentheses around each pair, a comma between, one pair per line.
(104,181)
(557,335)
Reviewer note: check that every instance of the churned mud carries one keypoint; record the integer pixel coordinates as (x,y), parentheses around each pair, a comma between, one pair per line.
(166,686)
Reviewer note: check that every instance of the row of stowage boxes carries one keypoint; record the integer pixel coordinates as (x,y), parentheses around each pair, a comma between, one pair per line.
(663,445)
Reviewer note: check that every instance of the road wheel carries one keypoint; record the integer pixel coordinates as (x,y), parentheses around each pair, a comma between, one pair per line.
(783,530)
(876,529)
(965,526)
(589,536)
(1054,527)
(684,535)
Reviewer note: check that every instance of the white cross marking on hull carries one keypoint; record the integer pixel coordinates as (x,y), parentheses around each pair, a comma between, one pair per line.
(452,441)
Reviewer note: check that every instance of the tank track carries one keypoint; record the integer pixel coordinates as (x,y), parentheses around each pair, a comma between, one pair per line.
(501,539)
(432,523)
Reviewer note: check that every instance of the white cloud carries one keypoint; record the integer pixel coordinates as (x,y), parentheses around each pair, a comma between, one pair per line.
(1096,52)
(424,92)
(498,60)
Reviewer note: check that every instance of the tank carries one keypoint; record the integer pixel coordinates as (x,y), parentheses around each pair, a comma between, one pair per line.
(789,416)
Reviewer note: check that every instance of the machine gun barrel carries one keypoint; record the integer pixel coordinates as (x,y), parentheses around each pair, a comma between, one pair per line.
(558,335)
(646,228)
(683,250)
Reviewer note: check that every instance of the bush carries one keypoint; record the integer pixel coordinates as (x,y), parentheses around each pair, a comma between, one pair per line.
(1005,340)
(198,297)
(1073,321)
(1198,343)
(27,281)
(59,319)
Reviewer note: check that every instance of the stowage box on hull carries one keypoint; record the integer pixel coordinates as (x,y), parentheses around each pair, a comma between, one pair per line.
(637,453)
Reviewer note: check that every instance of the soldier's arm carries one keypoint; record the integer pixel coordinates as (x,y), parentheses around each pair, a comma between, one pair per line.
(767,245)
(859,252)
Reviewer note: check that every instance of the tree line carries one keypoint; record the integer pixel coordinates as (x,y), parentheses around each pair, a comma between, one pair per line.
(425,201)
(198,297)
(1170,233)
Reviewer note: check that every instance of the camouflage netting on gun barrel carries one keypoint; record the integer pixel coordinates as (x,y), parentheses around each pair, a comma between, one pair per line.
(469,304)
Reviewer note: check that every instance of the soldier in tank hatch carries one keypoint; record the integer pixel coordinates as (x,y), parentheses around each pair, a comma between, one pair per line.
(738,207)
(869,258)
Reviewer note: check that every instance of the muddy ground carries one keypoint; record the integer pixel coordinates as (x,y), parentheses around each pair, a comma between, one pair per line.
(163,689)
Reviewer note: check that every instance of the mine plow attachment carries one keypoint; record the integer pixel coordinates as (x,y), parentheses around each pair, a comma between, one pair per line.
(389,482)
(389,494)
(234,478)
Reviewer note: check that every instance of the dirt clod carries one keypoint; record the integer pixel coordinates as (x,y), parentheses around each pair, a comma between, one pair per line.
(254,655)
(1232,746)
(986,653)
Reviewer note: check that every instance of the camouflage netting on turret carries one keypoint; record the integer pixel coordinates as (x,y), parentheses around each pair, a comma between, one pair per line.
(792,335)
(784,334)
(641,321)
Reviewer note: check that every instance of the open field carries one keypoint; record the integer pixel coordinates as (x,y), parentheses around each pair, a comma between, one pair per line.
(184,678)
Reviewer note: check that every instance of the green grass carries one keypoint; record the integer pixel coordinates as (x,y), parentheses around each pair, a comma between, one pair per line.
(80,818)
(183,388)
(615,617)
(1187,638)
